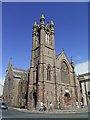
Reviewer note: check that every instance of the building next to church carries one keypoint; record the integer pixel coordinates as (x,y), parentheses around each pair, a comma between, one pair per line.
(1,92)
(84,81)
(1,89)
(15,86)
(52,78)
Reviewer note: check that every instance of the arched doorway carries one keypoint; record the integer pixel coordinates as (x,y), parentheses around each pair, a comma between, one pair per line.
(67,99)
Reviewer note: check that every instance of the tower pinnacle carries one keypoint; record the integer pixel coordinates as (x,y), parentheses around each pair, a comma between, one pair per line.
(51,23)
(42,20)
(42,17)
(52,26)
(72,63)
(35,26)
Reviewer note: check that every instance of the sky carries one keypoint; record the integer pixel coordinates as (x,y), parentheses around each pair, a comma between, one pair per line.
(71,31)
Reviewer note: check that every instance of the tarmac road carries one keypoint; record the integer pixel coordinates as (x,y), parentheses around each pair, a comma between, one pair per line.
(14,113)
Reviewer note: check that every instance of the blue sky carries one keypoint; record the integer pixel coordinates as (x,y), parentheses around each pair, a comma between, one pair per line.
(71,30)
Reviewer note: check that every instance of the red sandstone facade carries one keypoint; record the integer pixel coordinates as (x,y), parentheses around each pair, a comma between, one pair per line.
(52,78)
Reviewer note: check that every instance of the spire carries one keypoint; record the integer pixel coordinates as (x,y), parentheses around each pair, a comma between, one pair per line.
(71,62)
(35,27)
(10,62)
(51,23)
(9,65)
(52,26)
(42,19)
(47,27)
(62,49)
(35,24)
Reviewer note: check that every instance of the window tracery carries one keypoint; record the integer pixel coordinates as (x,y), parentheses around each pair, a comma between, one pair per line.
(64,73)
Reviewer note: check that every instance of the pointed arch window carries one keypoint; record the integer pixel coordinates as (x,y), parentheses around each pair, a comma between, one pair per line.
(36,73)
(9,84)
(47,38)
(64,73)
(48,72)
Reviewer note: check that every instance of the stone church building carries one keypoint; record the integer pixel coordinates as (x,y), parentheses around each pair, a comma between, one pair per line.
(52,78)
(15,86)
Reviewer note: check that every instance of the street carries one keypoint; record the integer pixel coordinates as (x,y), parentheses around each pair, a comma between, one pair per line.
(14,113)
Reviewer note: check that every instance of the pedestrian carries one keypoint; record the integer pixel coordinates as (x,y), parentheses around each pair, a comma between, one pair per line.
(77,105)
(50,107)
(59,105)
(81,104)
(44,108)
(41,106)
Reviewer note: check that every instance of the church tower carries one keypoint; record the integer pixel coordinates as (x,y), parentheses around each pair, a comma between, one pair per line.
(42,78)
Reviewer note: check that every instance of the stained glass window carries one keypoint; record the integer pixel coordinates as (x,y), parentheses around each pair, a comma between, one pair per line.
(64,73)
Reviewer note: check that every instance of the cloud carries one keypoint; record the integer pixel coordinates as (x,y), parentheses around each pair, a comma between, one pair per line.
(78,58)
(2,81)
(82,68)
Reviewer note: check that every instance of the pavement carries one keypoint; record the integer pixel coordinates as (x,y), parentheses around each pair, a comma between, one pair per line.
(71,110)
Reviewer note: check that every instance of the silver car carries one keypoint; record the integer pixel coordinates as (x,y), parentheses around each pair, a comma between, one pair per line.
(3,106)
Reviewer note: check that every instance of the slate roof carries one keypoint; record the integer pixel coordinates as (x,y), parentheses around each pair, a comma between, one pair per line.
(19,69)
(19,72)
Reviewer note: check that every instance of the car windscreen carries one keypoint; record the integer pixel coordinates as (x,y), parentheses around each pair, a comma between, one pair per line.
(3,103)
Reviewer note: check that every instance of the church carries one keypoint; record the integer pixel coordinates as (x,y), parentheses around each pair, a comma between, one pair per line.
(52,78)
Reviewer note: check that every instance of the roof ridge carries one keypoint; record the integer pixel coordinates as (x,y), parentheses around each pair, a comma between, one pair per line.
(20,69)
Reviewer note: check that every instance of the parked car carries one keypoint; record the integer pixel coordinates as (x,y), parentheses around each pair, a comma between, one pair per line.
(3,106)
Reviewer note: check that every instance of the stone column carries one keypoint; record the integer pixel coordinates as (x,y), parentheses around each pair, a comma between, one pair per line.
(61,100)
(30,103)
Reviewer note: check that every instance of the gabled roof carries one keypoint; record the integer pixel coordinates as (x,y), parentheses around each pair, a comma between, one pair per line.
(19,72)
(9,65)
(63,53)
(58,56)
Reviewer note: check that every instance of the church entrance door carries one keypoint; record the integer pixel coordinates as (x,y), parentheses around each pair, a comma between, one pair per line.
(67,99)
